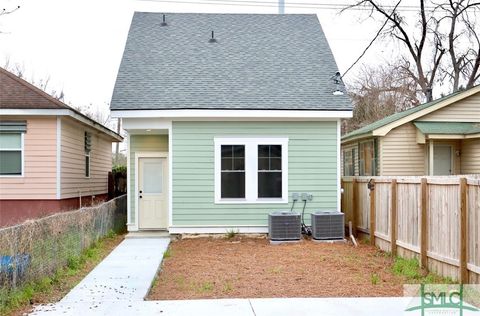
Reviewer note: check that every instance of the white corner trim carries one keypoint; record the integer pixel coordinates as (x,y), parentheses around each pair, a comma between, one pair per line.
(217,229)
(129,191)
(59,157)
(186,113)
(251,167)
(339,185)
(170,174)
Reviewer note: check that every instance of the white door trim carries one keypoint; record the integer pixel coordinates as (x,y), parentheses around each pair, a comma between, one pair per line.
(145,155)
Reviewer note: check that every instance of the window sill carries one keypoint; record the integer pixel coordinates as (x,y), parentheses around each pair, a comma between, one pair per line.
(257,201)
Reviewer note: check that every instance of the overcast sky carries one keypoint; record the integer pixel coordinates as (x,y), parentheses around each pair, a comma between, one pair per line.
(78,44)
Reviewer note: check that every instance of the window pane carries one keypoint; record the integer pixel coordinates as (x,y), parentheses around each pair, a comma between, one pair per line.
(269,184)
(227,151)
(10,162)
(87,166)
(269,157)
(152,175)
(227,163)
(276,164)
(10,141)
(263,151)
(238,163)
(238,151)
(263,164)
(276,151)
(233,184)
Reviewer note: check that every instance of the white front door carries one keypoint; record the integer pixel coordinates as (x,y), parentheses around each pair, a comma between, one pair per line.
(152,193)
(442,160)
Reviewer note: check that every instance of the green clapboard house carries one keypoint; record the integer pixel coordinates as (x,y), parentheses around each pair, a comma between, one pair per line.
(227,116)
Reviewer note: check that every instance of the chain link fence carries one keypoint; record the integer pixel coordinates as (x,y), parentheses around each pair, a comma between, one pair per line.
(39,248)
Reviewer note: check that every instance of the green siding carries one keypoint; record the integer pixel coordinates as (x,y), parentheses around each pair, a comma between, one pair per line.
(312,167)
(143,143)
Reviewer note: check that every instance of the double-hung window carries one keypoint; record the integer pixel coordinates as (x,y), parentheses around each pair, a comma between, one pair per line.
(233,171)
(251,170)
(11,148)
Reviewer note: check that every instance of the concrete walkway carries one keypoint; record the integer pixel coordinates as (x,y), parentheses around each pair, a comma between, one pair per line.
(366,306)
(125,276)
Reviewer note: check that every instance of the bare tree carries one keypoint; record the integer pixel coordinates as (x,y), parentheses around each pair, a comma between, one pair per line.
(378,92)
(459,18)
(425,43)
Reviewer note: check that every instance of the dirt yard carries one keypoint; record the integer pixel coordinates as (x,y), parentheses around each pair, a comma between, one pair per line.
(247,267)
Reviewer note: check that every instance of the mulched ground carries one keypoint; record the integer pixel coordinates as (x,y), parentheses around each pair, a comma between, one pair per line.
(248,268)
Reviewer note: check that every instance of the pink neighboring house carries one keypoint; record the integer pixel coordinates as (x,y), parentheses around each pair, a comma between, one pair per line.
(52,157)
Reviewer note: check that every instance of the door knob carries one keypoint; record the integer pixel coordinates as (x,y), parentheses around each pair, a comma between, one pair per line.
(140,191)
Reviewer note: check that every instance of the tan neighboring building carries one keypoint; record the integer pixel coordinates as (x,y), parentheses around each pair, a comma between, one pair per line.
(52,157)
(441,137)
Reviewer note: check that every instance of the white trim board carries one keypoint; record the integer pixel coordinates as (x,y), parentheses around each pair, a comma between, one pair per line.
(62,112)
(251,168)
(266,114)
(217,229)
(59,157)
(339,183)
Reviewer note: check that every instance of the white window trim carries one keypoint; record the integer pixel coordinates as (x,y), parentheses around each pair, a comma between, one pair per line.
(87,154)
(251,169)
(22,148)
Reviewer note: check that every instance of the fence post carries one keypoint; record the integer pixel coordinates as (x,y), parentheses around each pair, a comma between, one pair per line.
(463,231)
(423,226)
(372,212)
(354,206)
(393,227)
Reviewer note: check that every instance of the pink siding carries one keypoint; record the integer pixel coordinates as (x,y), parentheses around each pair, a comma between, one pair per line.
(39,179)
(73,180)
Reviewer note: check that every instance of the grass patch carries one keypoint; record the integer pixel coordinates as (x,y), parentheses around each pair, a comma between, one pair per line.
(410,269)
(374,278)
(205,287)
(231,233)
(61,281)
(167,253)
(227,287)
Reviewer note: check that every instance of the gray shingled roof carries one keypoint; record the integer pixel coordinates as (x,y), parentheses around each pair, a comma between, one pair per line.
(258,62)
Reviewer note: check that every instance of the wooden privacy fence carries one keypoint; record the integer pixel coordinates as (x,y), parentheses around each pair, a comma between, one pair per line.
(436,219)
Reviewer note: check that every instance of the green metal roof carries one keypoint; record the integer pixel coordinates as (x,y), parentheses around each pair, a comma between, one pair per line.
(458,128)
(392,118)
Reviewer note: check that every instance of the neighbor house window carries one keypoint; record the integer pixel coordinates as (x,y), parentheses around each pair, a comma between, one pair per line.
(349,162)
(87,147)
(251,170)
(11,147)
(367,160)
